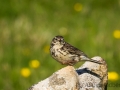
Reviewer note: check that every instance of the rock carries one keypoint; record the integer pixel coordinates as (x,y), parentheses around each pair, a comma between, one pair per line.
(64,79)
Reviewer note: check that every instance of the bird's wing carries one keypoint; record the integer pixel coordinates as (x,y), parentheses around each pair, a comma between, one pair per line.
(73,50)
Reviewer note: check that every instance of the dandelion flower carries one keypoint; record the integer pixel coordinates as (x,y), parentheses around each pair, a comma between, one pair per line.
(78,7)
(116,34)
(25,72)
(34,63)
(113,76)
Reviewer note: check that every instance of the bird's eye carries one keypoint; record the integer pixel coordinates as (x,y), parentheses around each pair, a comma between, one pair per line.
(62,42)
(56,38)
(61,39)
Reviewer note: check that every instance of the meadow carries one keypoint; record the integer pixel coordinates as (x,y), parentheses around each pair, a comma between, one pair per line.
(28,26)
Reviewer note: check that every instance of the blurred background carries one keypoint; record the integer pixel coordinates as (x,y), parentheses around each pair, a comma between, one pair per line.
(28,26)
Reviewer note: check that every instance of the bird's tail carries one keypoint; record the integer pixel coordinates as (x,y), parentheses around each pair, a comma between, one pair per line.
(84,58)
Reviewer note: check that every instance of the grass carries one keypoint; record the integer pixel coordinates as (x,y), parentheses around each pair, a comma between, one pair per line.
(27,27)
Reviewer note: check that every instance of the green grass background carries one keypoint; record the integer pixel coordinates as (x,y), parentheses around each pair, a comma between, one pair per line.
(28,26)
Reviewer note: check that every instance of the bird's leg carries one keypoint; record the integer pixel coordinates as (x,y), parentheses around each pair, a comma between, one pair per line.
(71,62)
(68,62)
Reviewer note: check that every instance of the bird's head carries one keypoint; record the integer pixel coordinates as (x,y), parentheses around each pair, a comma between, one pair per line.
(58,40)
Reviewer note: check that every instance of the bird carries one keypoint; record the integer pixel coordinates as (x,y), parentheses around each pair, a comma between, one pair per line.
(67,54)
(93,76)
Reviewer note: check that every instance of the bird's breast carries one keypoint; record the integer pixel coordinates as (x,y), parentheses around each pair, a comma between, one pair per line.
(60,54)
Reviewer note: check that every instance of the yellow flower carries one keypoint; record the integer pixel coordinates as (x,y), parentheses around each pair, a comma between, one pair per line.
(116,34)
(113,76)
(46,49)
(25,72)
(34,63)
(78,7)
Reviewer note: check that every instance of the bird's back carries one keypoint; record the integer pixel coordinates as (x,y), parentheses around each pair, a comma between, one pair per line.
(74,50)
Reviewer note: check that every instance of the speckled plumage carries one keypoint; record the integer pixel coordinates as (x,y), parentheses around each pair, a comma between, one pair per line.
(65,53)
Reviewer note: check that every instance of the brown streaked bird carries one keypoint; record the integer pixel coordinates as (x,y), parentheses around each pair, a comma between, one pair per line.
(67,54)
(93,76)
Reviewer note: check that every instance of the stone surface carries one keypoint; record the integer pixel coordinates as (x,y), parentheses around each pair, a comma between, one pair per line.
(64,79)
(93,76)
